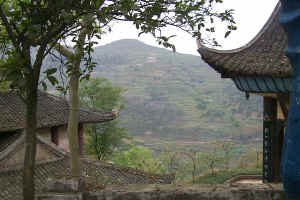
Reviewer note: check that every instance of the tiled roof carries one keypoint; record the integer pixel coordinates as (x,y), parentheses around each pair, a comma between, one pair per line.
(11,179)
(125,175)
(52,111)
(263,56)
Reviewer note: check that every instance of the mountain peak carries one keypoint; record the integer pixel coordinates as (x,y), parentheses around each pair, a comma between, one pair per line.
(128,44)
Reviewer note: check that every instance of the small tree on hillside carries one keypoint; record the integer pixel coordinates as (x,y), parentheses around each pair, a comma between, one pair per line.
(226,148)
(139,157)
(212,159)
(103,139)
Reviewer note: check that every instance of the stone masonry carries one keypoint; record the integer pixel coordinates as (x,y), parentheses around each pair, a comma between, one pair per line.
(176,192)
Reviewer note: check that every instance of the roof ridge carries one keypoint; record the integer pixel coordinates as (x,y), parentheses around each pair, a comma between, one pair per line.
(60,153)
(52,147)
(268,23)
(124,169)
(21,166)
(54,96)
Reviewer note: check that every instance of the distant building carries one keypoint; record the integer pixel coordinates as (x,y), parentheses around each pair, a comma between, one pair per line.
(261,67)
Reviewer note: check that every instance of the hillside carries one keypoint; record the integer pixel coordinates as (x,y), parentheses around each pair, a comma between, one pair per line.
(176,96)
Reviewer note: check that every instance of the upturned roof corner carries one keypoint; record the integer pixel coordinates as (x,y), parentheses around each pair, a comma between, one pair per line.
(263,56)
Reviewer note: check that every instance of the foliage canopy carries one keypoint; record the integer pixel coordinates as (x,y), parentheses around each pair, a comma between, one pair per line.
(103,139)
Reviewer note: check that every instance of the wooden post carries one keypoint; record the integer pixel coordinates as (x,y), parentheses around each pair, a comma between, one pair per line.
(277,143)
(272,143)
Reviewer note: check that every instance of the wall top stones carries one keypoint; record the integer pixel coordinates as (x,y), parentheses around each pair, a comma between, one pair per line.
(182,192)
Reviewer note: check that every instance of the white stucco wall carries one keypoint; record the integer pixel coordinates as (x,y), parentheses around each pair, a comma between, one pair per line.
(63,138)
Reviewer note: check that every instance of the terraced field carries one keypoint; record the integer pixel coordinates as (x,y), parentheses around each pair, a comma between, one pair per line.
(176,96)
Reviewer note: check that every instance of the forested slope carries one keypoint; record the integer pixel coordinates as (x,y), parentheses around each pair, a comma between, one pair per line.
(172,95)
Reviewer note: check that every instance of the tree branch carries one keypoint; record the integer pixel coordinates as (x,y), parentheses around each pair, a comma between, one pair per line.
(9,30)
(63,50)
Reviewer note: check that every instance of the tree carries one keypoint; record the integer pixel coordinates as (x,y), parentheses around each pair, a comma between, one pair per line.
(139,157)
(226,148)
(212,159)
(100,93)
(104,138)
(74,72)
(24,25)
(195,161)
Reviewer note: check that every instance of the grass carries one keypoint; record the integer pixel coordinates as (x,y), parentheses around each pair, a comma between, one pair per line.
(221,177)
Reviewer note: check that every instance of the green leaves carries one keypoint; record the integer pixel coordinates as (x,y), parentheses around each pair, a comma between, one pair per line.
(227,34)
(52,80)
(100,93)
(139,157)
(50,71)
(230,28)
(49,75)
(14,70)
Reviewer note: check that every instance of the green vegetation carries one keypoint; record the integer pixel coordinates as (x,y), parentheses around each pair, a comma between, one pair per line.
(105,138)
(222,176)
(139,157)
(191,166)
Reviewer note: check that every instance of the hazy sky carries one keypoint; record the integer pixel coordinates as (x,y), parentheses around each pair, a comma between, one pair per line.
(250,16)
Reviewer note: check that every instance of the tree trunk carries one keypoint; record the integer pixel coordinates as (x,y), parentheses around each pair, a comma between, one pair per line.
(73,121)
(30,142)
(73,125)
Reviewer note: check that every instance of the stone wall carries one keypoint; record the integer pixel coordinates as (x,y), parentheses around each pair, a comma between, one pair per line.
(176,192)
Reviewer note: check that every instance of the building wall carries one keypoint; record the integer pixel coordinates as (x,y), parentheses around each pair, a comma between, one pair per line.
(45,133)
(63,138)
(63,141)
(16,157)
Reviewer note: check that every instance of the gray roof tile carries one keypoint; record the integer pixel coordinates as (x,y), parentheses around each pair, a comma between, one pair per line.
(52,111)
(11,179)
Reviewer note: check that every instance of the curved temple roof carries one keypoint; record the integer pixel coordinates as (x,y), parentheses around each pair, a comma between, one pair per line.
(52,111)
(263,56)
